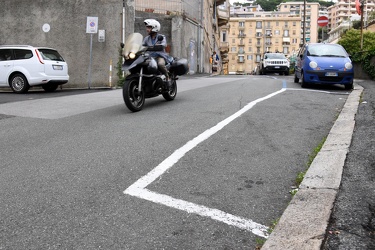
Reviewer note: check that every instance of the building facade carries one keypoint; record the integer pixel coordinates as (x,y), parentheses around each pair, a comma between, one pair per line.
(343,13)
(309,18)
(193,29)
(250,36)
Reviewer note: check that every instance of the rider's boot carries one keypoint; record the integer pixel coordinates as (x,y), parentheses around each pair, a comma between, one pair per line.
(168,82)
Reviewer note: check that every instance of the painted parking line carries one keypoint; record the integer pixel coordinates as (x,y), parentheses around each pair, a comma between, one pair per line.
(138,189)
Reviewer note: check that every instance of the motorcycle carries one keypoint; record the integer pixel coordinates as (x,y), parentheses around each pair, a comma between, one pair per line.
(144,80)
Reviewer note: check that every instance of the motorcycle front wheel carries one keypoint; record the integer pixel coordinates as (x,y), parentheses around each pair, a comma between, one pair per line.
(133,98)
(172,92)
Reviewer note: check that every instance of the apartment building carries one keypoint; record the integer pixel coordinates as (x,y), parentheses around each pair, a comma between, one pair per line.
(250,35)
(342,14)
(309,16)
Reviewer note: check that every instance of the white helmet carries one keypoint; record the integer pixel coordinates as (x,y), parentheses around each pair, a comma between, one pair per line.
(155,25)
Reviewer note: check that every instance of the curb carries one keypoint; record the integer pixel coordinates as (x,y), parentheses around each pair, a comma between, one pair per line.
(304,222)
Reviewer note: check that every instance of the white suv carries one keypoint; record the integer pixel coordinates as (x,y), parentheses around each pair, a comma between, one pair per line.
(24,66)
(274,63)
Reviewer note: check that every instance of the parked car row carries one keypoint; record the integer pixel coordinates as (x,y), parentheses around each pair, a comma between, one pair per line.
(317,63)
(24,66)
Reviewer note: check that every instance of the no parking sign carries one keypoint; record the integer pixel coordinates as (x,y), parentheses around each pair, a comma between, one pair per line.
(92,25)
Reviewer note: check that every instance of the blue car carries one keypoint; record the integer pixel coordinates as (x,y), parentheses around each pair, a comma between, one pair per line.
(321,63)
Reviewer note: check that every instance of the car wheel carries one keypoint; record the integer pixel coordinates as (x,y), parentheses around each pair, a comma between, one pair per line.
(287,72)
(296,80)
(19,84)
(50,87)
(303,83)
(349,86)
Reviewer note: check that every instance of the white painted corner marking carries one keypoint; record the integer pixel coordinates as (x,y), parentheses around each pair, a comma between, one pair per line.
(138,189)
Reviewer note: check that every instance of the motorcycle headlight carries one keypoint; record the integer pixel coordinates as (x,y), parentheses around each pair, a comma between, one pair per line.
(131,55)
(348,65)
(313,65)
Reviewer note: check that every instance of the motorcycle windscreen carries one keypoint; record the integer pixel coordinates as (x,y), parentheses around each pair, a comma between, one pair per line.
(133,43)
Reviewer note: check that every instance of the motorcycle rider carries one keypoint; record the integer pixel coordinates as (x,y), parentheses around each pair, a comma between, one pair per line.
(162,57)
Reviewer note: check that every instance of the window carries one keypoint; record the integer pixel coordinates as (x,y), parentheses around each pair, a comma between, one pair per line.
(286,33)
(259,25)
(286,50)
(250,57)
(48,54)
(241,24)
(277,32)
(241,59)
(258,58)
(233,49)
(24,54)
(5,54)
(250,49)
(224,36)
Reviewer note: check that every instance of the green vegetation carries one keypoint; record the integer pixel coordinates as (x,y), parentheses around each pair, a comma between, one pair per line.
(260,241)
(351,41)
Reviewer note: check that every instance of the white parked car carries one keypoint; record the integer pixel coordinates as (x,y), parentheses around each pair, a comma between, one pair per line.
(24,66)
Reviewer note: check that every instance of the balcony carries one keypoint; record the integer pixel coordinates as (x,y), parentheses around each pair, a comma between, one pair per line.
(222,16)
(241,35)
(240,61)
(224,47)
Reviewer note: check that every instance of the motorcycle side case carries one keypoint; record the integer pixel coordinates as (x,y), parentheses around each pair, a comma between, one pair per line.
(180,66)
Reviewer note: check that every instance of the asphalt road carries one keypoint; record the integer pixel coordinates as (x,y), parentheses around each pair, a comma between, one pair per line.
(210,170)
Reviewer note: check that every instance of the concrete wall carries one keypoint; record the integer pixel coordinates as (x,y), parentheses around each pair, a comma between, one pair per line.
(22,22)
(359,73)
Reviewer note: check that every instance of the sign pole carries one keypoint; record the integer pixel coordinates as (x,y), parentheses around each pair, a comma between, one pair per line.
(91,28)
(89,76)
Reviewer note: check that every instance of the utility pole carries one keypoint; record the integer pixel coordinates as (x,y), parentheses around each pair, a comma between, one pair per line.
(362,7)
(304,23)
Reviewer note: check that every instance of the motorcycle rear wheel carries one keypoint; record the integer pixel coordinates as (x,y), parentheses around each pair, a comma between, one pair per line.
(172,92)
(133,98)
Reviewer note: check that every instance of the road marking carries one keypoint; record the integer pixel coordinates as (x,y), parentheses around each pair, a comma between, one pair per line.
(138,189)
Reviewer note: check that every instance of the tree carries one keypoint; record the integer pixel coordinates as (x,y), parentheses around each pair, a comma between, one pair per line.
(351,41)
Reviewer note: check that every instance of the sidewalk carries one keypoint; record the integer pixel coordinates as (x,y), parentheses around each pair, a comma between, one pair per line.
(335,205)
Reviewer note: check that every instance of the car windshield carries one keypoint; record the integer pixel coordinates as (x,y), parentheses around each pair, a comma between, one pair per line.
(275,56)
(325,50)
(49,54)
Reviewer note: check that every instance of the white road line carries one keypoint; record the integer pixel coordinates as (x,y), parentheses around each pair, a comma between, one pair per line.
(138,189)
